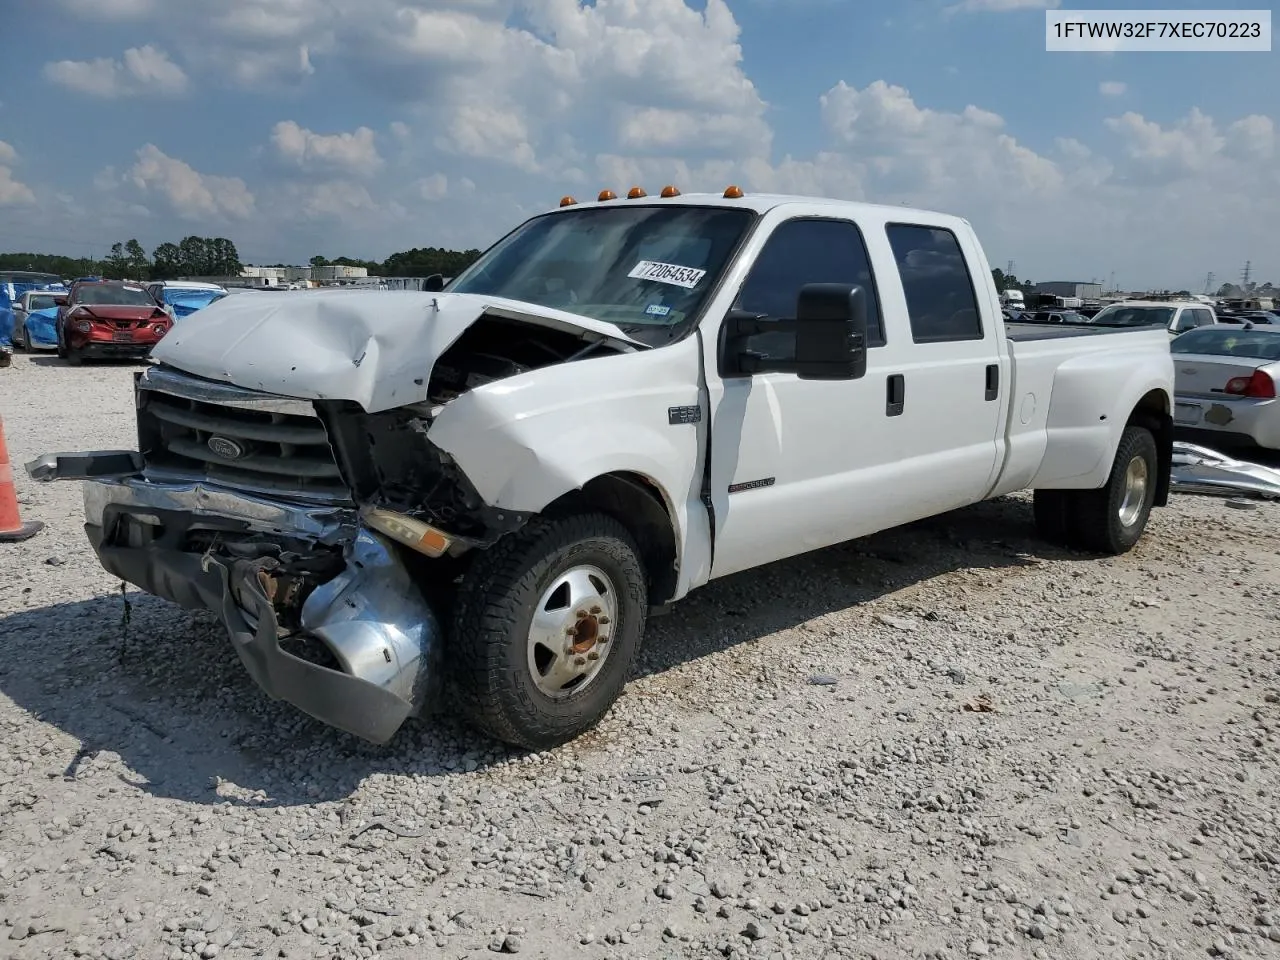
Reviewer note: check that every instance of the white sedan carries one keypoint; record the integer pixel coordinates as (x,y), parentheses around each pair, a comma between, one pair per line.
(1225,384)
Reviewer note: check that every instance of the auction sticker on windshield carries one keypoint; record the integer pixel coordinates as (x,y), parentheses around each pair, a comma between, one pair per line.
(669,273)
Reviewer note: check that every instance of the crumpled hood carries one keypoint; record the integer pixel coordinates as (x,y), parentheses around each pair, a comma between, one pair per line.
(375,348)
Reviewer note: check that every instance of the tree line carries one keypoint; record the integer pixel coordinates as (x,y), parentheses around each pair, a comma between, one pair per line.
(217,257)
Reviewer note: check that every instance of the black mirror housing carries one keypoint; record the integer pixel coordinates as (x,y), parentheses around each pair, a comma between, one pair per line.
(434,283)
(829,334)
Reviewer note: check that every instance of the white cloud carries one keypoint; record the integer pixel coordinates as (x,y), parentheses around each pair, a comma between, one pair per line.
(434,187)
(569,97)
(12,190)
(143,71)
(192,195)
(337,199)
(1187,148)
(353,152)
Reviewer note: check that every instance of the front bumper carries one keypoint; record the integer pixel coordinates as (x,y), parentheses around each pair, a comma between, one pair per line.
(112,350)
(371,617)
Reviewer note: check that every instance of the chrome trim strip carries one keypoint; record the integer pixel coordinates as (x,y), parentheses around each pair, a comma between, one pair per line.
(176,383)
(325,524)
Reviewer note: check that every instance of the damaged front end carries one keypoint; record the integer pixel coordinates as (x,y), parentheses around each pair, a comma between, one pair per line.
(322,609)
(323,527)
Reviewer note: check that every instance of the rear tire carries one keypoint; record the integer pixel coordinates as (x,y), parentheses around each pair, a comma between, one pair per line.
(1052,509)
(522,657)
(1111,520)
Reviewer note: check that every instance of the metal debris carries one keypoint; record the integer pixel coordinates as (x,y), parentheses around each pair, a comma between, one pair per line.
(1201,470)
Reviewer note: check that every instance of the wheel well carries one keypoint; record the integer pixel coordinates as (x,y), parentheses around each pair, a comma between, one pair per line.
(635,502)
(1152,412)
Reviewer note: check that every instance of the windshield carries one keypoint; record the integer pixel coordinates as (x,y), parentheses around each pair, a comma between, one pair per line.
(644,269)
(42,303)
(115,295)
(1254,344)
(1119,315)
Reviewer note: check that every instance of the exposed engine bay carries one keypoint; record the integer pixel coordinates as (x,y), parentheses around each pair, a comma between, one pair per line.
(386,458)
(494,348)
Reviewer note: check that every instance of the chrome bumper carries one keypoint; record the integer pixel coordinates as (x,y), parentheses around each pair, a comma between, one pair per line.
(372,617)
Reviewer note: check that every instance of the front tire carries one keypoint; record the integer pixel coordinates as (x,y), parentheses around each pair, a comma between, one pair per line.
(74,357)
(546,627)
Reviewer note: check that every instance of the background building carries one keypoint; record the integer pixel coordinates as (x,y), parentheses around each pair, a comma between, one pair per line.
(1070,288)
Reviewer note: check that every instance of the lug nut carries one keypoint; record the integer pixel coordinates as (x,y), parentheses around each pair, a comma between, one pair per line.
(602,620)
(596,608)
(593,655)
(581,614)
(580,661)
(602,639)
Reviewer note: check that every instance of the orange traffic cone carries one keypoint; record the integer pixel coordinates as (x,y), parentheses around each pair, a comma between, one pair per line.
(11,526)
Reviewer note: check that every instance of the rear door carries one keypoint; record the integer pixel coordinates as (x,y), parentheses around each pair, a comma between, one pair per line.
(951,428)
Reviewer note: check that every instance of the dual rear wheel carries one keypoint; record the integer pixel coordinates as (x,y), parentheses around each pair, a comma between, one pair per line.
(1112,518)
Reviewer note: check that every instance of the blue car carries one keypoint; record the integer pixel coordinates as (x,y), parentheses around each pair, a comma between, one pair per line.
(181,298)
(35,318)
(14,285)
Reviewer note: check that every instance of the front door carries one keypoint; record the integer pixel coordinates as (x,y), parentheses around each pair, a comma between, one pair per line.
(798,464)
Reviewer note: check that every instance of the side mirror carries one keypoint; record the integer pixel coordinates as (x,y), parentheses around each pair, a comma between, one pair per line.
(61,301)
(827,340)
(434,283)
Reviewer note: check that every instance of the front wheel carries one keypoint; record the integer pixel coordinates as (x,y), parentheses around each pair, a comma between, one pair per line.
(546,627)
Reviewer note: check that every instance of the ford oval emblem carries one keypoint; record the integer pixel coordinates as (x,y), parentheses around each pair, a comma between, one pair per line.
(226,448)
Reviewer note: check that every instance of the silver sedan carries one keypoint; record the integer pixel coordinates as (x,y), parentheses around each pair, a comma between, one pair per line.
(1225,380)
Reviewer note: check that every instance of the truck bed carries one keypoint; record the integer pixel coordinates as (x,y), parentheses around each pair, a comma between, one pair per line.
(1022,332)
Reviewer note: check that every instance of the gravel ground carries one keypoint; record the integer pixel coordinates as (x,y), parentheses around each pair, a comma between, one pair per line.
(945,741)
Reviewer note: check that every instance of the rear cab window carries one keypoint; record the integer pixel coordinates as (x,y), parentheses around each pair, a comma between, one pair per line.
(942,303)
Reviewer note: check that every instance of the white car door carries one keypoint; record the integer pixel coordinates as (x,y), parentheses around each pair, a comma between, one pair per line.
(802,464)
(952,426)
(799,464)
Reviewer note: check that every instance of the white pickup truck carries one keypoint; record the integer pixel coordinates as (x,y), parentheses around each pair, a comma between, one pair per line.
(495,484)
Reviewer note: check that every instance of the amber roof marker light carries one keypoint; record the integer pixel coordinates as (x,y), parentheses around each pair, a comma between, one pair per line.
(669,191)
(607,195)
(635,193)
(733,193)
(567,201)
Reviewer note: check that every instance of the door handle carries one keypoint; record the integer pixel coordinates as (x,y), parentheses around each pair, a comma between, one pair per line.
(895,395)
(993,380)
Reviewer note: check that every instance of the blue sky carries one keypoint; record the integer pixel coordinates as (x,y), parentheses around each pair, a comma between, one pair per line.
(362,127)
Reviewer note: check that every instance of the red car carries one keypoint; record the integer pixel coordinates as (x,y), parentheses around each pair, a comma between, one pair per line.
(109,319)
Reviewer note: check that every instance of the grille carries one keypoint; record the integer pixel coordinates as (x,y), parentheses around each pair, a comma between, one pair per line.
(190,428)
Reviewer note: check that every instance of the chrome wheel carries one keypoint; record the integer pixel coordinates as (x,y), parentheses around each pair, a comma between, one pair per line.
(1135,491)
(570,631)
